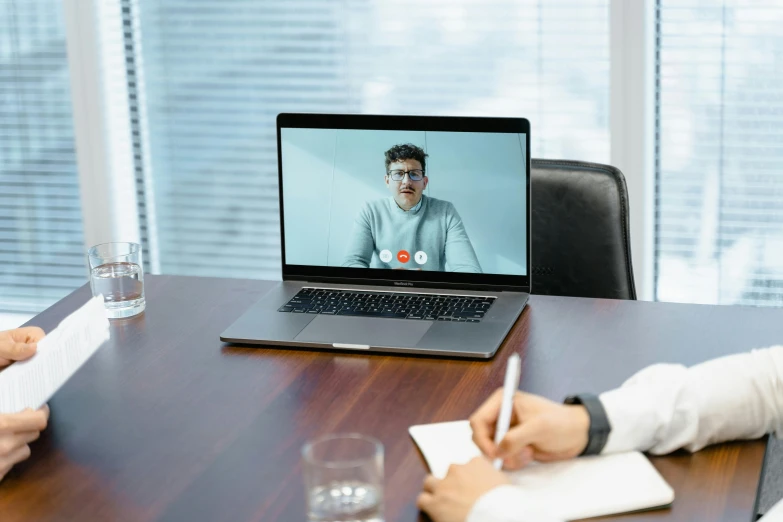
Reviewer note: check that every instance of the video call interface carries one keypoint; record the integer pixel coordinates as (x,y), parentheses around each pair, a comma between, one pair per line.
(405,200)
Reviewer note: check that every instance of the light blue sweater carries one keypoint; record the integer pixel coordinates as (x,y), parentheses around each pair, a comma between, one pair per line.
(433,226)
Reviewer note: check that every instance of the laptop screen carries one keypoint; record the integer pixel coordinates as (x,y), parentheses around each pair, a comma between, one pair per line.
(405,200)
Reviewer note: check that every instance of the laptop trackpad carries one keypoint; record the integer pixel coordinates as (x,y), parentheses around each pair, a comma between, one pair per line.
(370,331)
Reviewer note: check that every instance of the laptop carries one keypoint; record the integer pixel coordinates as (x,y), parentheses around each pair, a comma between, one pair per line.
(404,234)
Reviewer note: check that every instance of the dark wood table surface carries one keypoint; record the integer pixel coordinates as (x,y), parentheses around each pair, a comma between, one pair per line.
(166,422)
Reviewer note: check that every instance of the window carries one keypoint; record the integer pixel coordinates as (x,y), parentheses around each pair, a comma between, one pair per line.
(719,202)
(216,73)
(41,244)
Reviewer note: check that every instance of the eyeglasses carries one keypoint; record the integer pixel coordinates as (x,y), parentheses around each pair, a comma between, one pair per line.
(414,175)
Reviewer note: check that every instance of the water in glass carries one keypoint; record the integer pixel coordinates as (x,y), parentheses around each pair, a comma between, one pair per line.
(346,502)
(121,286)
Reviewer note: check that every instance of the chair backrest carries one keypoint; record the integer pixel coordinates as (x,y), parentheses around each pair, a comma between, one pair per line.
(581,238)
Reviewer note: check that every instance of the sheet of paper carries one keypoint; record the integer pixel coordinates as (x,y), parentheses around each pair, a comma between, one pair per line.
(573,489)
(31,383)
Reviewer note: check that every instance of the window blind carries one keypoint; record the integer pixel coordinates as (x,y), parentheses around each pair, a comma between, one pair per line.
(216,73)
(41,239)
(719,159)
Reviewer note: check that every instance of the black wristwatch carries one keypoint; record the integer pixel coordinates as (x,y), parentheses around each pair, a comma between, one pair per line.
(599,430)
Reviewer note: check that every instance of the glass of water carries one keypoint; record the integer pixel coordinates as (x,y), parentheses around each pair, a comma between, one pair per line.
(343,477)
(115,272)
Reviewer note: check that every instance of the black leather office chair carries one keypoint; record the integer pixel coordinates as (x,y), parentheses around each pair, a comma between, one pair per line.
(581,239)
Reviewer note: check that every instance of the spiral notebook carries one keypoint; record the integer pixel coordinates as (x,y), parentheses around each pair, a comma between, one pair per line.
(570,490)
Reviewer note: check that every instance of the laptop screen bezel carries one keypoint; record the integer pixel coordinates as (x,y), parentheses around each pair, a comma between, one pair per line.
(404,278)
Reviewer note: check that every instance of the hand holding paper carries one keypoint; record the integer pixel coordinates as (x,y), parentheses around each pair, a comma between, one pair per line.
(19,344)
(17,430)
(31,382)
(43,365)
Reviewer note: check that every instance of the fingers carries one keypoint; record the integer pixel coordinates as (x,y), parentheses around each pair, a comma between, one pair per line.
(430,483)
(519,460)
(4,471)
(424,502)
(519,437)
(14,446)
(11,443)
(426,498)
(27,437)
(28,334)
(30,436)
(16,456)
(19,344)
(483,421)
(27,420)
(17,351)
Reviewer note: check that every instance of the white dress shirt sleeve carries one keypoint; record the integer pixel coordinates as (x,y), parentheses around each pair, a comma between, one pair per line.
(508,504)
(666,406)
(775,514)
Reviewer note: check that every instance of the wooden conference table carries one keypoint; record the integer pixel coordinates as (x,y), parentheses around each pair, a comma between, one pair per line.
(168,423)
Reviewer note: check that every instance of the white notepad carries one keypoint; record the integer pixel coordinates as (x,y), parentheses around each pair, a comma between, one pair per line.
(31,383)
(573,489)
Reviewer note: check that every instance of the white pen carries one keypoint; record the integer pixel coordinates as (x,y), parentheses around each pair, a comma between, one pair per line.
(510,385)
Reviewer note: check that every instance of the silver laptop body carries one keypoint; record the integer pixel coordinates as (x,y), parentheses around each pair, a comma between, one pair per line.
(350,282)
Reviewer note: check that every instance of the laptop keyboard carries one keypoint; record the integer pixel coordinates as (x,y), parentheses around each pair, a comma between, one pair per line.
(431,307)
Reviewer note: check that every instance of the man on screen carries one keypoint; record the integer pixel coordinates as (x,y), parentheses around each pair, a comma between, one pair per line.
(410,230)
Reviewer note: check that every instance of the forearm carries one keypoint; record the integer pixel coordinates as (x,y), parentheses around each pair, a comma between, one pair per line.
(460,256)
(355,261)
(666,407)
(462,264)
(360,249)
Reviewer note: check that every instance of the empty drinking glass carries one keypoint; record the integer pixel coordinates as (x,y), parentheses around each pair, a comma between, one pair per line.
(115,272)
(343,477)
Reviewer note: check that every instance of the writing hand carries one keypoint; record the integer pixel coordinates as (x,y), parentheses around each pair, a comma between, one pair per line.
(540,430)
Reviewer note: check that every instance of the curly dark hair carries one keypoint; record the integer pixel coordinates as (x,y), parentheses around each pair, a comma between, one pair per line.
(404,152)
